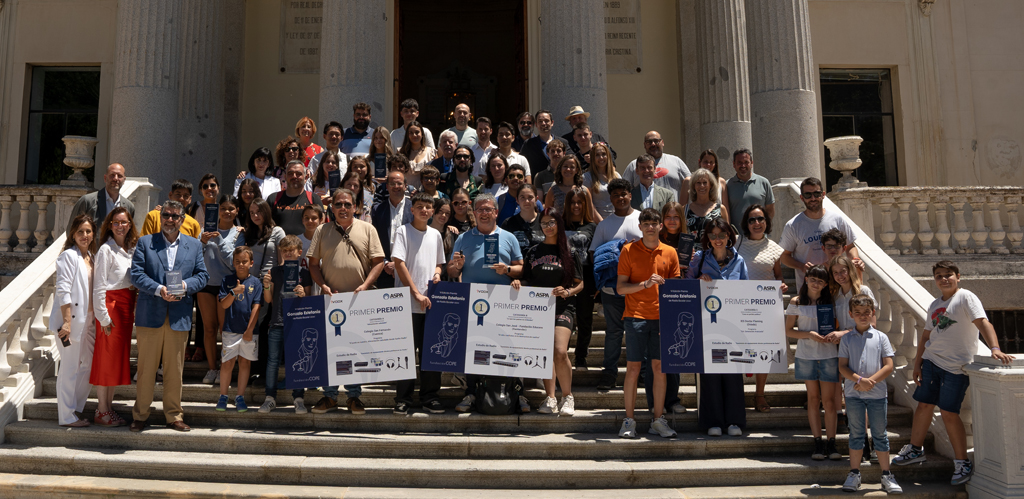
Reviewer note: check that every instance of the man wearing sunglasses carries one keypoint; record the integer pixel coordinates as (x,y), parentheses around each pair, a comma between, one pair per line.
(801,238)
(524,122)
(461,176)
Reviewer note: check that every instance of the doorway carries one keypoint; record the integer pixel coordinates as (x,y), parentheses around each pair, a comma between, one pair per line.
(453,51)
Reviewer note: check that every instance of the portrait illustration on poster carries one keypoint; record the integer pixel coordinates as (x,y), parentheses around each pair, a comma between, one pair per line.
(308,351)
(684,337)
(448,336)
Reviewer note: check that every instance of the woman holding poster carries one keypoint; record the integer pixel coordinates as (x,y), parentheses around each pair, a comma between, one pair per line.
(721,395)
(550,264)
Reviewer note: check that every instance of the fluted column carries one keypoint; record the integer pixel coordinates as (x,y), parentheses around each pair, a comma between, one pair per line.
(352,59)
(573,65)
(144,116)
(200,91)
(724,89)
(783,108)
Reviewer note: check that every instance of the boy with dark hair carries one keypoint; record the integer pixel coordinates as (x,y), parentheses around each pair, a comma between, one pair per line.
(312,217)
(181,191)
(643,266)
(949,342)
(274,294)
(240,297)
(410,110)
(865,359)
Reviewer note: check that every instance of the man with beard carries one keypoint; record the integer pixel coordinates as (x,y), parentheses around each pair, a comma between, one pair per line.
(359,137)
(525,123)
(444,161)
(801,238)
(535,149)
(98,204)
(461,176)
(462,130)
(669,170)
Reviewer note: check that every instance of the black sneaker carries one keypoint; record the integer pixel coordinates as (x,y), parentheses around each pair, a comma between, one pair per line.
(819,450)
(606,383)
(402,408)
(831,451)
(434,407)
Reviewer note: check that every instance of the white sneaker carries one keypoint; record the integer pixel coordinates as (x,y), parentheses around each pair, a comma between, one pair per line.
(568,406)
(735,431)
(852,483)
(660,427)
(548,406)
(300,406)
(269,404)
(467,404)
(890,486)
(678,408)
(211,377)
(714,431)
(628,428)
(599,309)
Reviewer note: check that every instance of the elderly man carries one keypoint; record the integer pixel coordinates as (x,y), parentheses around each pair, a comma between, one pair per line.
(462,130)
(448,142)
(646,193)
(467,261)
(576,116)
(747,188)
(387,217)
(163,313)
(670,170)
(344,256)
(98,204)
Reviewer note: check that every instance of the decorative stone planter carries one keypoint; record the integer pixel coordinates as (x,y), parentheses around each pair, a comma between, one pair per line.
(845,152)
(78,155)
(997,394)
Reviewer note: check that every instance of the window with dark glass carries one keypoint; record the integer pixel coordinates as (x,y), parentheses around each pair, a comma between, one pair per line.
(859,102)
(63,101)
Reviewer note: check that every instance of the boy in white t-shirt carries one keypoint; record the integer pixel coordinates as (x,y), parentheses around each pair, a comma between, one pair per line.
(949,342)
(418,253)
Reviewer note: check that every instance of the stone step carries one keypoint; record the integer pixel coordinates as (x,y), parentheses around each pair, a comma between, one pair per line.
(322,443)
(475,473)
(385,421)
(382,395)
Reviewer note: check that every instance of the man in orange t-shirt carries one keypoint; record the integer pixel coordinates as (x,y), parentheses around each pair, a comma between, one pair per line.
(643,265)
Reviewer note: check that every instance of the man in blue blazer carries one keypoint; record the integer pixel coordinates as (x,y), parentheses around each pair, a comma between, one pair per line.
(387,217)
(162,319)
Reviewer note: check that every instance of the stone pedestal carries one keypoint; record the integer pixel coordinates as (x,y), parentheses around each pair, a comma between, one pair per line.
(201,91)
(352,59)
(723,86)
(145,107)
(573,65)
(784,124)
(997,392)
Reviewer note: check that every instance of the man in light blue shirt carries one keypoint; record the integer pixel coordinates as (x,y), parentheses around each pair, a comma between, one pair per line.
(359,137)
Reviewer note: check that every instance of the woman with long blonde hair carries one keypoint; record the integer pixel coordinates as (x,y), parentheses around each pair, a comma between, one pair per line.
(602,170)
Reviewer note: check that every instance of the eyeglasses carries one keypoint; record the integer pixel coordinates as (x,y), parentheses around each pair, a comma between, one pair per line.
(755,220)
(293,149)
(515,176)
(651,141)
(549,225)
(170,216)
(720,235)
(461,156)
(484,210)
(812,195)
(340,205)
(209,186)
(120,224)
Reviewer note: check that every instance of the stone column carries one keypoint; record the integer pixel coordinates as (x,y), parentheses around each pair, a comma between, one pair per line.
(573,65)
(145,106)
(200,92)
(352,60)
(724,90)
(782,82)
(998,424)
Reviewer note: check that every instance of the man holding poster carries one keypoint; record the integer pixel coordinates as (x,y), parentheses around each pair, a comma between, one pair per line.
(643,266)
(344,256)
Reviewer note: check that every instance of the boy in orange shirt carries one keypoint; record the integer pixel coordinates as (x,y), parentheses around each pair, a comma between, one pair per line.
(643,265)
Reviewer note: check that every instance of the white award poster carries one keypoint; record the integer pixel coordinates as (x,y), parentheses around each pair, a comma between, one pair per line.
(510,332)
(369,336)
(744,327)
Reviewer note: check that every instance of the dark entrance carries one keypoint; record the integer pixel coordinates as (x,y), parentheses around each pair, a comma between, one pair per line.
(859,102)
(455,51)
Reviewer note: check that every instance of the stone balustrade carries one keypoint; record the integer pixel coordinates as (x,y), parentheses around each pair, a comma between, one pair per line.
(937,220)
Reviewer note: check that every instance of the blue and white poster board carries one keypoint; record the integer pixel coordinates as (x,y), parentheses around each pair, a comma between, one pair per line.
(490,330)
(349,338)
(722,327)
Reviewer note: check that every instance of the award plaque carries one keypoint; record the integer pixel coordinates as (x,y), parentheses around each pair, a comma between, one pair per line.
(685,249)
(291,278)
(826,319)
(175,285)
(333,179)
(490,250)
(380,166)
(212,213)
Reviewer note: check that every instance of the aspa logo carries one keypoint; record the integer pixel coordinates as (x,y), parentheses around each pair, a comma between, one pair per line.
(392,295)
(534,294)
(766,288)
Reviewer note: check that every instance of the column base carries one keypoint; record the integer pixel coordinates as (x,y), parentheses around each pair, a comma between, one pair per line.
(982,487)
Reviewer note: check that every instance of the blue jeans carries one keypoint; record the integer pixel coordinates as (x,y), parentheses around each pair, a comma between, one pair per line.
(614,307)
(275,346)
(876,410)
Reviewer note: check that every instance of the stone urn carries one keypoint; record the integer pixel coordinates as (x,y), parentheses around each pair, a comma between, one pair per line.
(845,152)
(78,155)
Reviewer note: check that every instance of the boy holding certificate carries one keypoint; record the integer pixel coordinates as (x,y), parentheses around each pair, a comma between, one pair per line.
(865,358)
(288,280)
(240,297)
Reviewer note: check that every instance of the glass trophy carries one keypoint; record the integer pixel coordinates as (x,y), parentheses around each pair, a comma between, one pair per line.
(490,250)
(685,249)
(175,286)
(212,212)
(333,179)
(380,166)
(291,278)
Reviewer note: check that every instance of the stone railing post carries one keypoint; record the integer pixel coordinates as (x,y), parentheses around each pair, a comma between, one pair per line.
(924,230)
(907,233)
(5,222)
(1014,234)
(980,232)
(42,202)
(888,235)
(942,235)
(23,231)
(999,428)
(960,232)
(62,205)
(996,233)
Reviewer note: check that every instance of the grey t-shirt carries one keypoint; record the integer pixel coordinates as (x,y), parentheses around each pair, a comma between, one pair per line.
(466,137)
(669,172)
(756,190)
(802,237)
(865,352)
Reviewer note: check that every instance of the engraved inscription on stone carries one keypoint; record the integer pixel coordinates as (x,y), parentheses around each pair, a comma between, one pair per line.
(300,36)
(622,36)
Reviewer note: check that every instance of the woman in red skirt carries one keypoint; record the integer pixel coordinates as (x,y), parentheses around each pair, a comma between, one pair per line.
(114,307)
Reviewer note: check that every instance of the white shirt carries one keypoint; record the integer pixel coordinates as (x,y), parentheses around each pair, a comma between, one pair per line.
(397,214)
(422,252)
(802,237)
(172,253)
(513,159)
(268,184)
(112,203)
(481,154)
(111,273)
(398,137)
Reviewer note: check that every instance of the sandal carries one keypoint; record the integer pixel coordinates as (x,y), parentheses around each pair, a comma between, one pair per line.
(199,356)
(761,404)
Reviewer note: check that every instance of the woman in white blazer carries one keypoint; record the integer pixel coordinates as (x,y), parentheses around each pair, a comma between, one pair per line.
(73,321)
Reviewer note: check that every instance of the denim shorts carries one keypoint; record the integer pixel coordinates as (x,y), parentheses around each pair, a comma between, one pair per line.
(876,411)
(643,339)
(817,370)
(941,387)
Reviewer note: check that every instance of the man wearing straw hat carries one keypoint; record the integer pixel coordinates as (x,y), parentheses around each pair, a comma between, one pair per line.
(576,116)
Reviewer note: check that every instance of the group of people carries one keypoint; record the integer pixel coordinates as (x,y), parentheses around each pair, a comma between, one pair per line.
(404,213)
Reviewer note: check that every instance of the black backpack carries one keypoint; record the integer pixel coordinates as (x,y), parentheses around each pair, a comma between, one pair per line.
(498,395)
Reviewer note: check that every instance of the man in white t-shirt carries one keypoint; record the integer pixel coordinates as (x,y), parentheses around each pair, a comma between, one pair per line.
(483,146)
(669,170)
(801,238)
(418,254)
(410,110)
(949,342)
